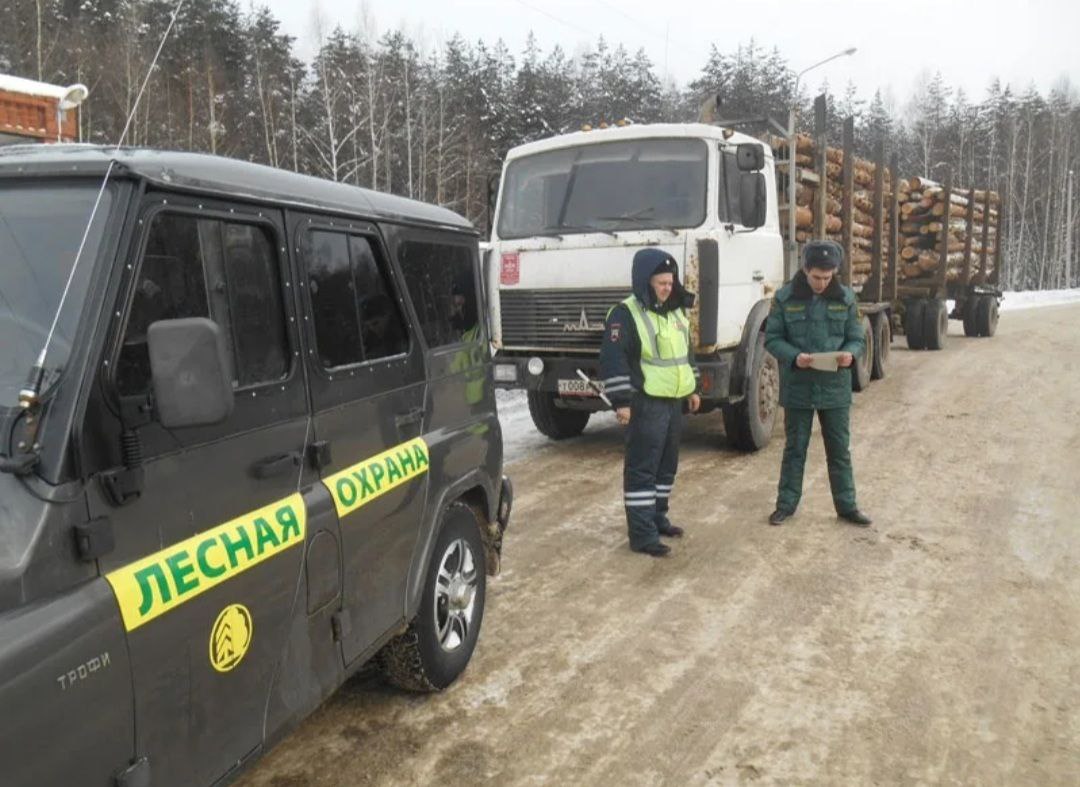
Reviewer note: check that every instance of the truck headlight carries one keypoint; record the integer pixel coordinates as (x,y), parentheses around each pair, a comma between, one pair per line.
(535,367)
(506,373)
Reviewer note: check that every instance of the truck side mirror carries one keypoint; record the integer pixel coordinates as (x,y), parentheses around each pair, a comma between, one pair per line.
(190,372)
(752,199)
(492,195)
(749,157)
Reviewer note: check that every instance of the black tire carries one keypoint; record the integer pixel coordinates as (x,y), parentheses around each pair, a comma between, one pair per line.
(882,345)
(863,366)
(556,422)
(970,313)
(914,314)
(936,324)
(418,660)
(749,424)
(986,315)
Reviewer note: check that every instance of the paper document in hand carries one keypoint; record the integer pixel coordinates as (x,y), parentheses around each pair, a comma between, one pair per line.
(825,362)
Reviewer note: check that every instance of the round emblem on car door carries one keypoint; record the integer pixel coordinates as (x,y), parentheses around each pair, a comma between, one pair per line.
(230,637)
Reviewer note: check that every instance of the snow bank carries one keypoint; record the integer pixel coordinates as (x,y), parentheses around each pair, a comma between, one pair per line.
(1034,298)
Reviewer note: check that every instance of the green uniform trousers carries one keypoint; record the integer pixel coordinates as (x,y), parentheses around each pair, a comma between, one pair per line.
(836,432)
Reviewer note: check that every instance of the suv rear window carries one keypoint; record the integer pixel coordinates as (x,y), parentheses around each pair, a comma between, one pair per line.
(357,317)
(443,290)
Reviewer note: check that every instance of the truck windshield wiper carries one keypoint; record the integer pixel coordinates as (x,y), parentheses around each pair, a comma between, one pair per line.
(640,216)
(559,230)
(586,228)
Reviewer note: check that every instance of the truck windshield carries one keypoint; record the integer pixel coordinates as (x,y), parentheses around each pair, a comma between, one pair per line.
(41,227)
(628,185)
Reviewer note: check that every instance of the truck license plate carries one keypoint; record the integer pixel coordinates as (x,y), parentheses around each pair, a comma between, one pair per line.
(577,388)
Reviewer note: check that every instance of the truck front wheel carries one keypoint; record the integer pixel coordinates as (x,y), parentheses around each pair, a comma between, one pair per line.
(556,422)
(749,423)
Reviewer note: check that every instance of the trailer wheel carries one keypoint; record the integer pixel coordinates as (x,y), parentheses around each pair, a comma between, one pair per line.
(555,422)
(863,366)
(914,314)
(882,341)
(970,311)
(936,324)
(986,315)
(440,640)
(749,424)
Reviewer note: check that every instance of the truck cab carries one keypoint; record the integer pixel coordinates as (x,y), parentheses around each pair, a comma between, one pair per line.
(572,211)
(248,443)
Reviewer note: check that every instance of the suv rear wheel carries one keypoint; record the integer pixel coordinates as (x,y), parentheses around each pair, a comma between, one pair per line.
(440,640)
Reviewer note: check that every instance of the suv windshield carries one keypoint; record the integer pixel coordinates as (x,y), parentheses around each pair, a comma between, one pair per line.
(41,227)
(631,185)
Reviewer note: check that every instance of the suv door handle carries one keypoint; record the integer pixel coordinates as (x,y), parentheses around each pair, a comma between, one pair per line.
(759,276)
(413,416)
(276,465)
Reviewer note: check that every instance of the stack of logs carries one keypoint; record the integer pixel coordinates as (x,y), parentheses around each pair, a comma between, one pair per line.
(862,204)
(923,216)
(922,209)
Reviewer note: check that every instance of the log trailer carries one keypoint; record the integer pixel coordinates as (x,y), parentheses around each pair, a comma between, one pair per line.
(923,244)
(572,210)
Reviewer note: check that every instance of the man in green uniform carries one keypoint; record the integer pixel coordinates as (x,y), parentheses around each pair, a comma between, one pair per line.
(814,313)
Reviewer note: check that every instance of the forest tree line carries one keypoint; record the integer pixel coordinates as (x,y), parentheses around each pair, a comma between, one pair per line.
(388,113)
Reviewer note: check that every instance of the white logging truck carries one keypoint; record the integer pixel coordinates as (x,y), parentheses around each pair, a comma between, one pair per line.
(572,210)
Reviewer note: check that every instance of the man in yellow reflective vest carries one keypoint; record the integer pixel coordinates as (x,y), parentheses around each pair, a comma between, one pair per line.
(647,365)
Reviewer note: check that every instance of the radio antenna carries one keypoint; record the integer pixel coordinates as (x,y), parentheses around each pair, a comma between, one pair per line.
(30,395)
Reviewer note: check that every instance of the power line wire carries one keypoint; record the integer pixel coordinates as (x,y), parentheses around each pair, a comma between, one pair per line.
(555,18)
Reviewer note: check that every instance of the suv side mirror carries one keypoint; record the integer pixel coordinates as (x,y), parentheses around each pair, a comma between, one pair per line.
(753,200)
(749,157)
(189,367)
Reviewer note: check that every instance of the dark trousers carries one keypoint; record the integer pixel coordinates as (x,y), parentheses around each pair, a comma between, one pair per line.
(836,432)
(652,459)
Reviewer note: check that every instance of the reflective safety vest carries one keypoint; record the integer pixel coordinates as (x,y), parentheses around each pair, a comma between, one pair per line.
(470,360)
(665,351)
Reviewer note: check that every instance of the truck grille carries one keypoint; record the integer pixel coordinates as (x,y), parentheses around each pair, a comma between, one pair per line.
(542,319)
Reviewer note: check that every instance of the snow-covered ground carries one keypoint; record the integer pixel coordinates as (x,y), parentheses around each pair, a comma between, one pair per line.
(520,438)
(1034,298)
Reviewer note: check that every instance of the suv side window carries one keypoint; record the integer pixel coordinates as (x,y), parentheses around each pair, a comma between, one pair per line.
(443,291)
(203,267)
(730,210)
(357,318)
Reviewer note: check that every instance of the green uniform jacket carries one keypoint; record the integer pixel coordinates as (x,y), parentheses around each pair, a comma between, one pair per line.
(800,323)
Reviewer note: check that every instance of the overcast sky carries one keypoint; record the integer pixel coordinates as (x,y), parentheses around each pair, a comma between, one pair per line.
(969,42)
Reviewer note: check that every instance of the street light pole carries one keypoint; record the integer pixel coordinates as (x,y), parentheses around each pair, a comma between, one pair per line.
(1068,233)
(792,246)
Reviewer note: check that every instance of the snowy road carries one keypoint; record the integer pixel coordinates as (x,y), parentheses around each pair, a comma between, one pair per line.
(936,647)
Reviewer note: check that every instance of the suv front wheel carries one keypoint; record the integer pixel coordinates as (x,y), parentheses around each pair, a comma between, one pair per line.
(440,640)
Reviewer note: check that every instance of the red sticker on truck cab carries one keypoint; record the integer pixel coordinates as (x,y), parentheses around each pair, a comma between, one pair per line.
(510,269)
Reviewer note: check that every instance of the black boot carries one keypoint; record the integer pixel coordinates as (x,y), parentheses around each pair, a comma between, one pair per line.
(856,517)
(779,515)
(670,531)
(656,550)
